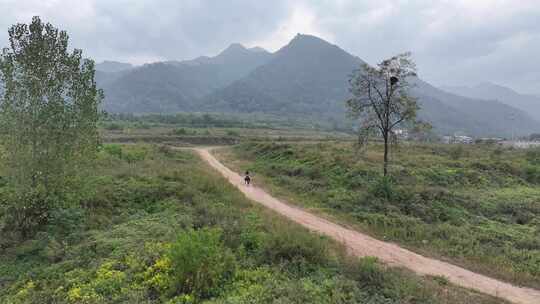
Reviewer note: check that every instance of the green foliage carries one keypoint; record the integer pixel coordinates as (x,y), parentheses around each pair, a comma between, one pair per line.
(200,264)
(113,149)
(181,131)
(48,115)
(370,272)
(383,188)
(130,154)
(295,248)
(105,285)
(232,133)
(457,152)
(114,127)
(27,211)
(533,156)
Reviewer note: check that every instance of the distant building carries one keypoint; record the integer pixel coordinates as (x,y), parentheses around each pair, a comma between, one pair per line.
(463,139)
(446,139)
(457,139)
(401,133)
(520,144)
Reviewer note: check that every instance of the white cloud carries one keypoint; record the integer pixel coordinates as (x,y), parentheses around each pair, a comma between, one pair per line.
(301,20)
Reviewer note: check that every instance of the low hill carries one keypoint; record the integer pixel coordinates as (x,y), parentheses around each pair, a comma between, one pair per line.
(113,66)
(173,86)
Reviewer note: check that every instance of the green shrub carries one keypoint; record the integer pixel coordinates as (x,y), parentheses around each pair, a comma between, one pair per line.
(457,152)
(533,156)
(232,133)
(200,264)
(113,126)
(532,174)
(181,131)
(497,152)
(383,188)
(292,246)
(369,273)
(113,149)
(134,154)
(106,285)
(26,213)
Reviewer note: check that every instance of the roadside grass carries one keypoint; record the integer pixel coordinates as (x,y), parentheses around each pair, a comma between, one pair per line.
(160,226)
(475,206)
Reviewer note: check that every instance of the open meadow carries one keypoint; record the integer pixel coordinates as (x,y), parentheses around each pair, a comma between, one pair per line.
(473,205)
(158,226)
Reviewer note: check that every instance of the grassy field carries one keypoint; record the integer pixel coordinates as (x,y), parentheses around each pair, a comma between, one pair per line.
(157,226)
(476,206)
(222,129)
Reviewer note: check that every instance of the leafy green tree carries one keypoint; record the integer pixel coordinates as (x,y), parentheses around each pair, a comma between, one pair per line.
(381,99)
(48,113)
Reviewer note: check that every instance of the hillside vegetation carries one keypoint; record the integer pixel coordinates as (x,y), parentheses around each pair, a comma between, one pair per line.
(475,206)
(490,91)
(175,86)
(159,227)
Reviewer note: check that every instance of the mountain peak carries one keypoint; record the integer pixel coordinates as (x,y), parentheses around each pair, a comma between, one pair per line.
(305,38)
(258,49)
(234,47)
(309,47)
(232,51)
(311,44)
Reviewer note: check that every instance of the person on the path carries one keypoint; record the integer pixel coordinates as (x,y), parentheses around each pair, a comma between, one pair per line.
(247,178)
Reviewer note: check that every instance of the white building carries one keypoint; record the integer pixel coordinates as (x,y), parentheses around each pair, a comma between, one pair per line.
(457,139)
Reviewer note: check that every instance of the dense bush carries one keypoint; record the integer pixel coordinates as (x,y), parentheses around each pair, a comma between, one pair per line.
(533,156)
(200,264)
(294,247)
(181,131)
(114,126)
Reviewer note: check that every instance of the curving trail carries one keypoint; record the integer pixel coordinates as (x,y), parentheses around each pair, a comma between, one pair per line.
(363,245)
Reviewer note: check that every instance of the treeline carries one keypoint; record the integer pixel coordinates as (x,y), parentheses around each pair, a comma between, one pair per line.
(221,120)
(186,119)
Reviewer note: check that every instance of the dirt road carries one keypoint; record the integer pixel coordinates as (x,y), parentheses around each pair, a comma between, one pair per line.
(362,245)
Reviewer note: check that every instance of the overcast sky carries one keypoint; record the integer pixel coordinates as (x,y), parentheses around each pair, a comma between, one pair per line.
(454,42)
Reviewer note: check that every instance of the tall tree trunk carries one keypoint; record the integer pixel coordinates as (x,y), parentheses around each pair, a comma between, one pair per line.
(385,154)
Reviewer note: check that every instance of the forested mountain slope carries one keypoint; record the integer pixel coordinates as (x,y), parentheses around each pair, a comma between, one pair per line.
(307,77)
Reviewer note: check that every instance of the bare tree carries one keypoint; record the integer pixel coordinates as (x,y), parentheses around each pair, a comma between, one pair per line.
(381,98)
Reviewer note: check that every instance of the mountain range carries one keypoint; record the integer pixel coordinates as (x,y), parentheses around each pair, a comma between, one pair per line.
(491,91)
(307,77)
